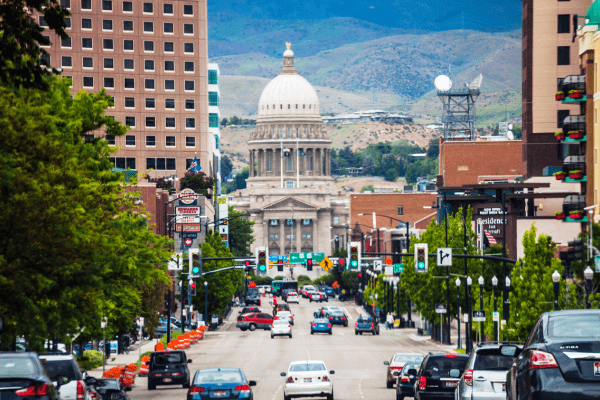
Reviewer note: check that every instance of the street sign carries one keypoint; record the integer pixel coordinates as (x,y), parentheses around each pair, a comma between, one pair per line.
(188,228)
(187,219)
(377,265)
(389,261)
(187,242)
(444,256)
(176,262)
(300,258)
(478,315)
(189,235)
(389,270)
(597,263)
(187,196)
(277,258)
(398,268)
(440,308)
(194,210)
(326,263)
(496,316)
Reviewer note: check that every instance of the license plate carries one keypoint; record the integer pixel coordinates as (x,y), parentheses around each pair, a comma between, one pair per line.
(596,368)
(451,384)
(220,393)
(167,380)
(307,379)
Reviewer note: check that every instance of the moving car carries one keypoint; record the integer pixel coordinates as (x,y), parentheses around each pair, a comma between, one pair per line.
(307,379)
(251,309)
(560,359)
(168,368)
(107,389)
(280,307)
(307,293)
(220,383)
(329,290)
(59,366)
(306,289)
(406,381)
(286,316)
(254,320)
(337,316)
(321,312)
(397,362)
(281,327)
(23,376)
(253,297)
(318,296)
(439,375)
(321,325)
(292,298)
(485,374)
(366,324)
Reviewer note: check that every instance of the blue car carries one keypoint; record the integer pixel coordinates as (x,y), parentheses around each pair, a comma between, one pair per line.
(221,383)
(321,325)
(330,292)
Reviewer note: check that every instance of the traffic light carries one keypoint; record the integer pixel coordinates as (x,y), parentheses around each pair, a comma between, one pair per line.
(261,261)
(279,265)
(195,256)
(309,264)
(575,251)
(225,222)
(421,264)
(192,288)
(341,265)
(354,256)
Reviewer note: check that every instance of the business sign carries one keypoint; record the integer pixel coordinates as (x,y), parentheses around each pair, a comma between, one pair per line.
(300,258)
(194,210)
(223,217)
(187,197)
(188,228)
(181,219)
(189,235)
(478,315)
(490,218)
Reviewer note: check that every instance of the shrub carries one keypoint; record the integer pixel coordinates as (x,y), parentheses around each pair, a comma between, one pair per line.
(91,359)
(174,335)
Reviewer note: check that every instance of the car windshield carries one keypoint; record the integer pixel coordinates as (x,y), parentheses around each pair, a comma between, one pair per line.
(55,368)
(307,367)
(168,358)
(574,326)
(492,360)
(411,369)
(441,366)
(408,358)
(336,313)
(16,366)
(204,377)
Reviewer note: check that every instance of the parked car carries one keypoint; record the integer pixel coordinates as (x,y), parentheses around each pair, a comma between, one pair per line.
(485,374)
(405,381)
(321,325)
(307,379)
(221,383)
(161,329)
(59,366)
(560,359)
(249,309)
(22,375)
(107,389)
(286,316)
(254,320)
(439,375)
(338,317)
(281,327)
(168,368)
(366,324)
(397,362)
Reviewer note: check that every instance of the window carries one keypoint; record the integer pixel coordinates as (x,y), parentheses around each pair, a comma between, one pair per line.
(149,84)
(107,24)
(213,98)
(109,83)
(47,41)
(564,23)
(149,65)
(169,84)
(169,48)
(188,66)
(66,43)
(46,60)
(68,22)
(168,9)
(148,8)
(269,164)
(564,56)
(151,163)
(130,162)
(289,236)
(188,48)
(213,77)
(129,140)
(306,222)
(170,104)
(190,141)
(66,62)
(107,44)
(128,6)
(170,123)
(150,103)
(129,102)
(274,237)
(127,26)
(86,4)
(309,164)
(106,5)
(88,81)
(170,66)
(190,123)
(65,3)
(123,163)
(128,45)
(148,27)
(171,163)
(189,85)
(110,139)
(168,27)
(188,10)
(150,122)
(306,236)
(128,64)
(129,83)
(188,163)
(130,121)
(188,29)
(213,120)
(274,222)
(400,210)
(290,164)
(148,45)
(560,117)
(289,184)
(109,63)
(150,140)
(336,220)
(86,43)
(190,104)
(170,141)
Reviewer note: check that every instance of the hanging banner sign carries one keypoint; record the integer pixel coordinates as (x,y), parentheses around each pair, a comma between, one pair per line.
(194,210)
(188,227)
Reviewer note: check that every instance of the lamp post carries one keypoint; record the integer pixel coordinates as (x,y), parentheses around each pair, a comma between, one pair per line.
(556,280)
(103,326)
(589,276)
(506,303)
(206,304)
(469,338)
(458,309)
(480,281)
(385,294)
(495,286)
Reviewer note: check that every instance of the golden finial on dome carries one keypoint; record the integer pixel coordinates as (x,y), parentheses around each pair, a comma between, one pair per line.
(288,45)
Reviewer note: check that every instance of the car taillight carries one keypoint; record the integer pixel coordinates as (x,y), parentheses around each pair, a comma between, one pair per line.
(395,367)
(330,317)
(422,383)
(356,324)
(314,325)
(343,318)
(40,390)
(93,395)
(325,379)
(372,325)
(289,379)
(541,359)
(289,326)
(80,390)
(468,377)
(451,355)
(405,379)
(329,325)
(243,389)
(197,389)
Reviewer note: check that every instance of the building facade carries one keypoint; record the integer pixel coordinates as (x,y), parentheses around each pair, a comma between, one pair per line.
(214,118)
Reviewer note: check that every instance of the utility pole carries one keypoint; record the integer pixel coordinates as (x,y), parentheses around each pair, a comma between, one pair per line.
(182,304)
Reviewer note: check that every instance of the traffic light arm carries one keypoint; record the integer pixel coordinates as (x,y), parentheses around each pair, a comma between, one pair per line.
(492,258)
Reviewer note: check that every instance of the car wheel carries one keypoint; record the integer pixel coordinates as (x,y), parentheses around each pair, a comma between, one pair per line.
(356,332)
(290,335)
(346,325)
(286,397)
(399,397)
(389,384)
(378,331)
(330,396)
(360,333)
(252,327)
(374,333)
(331,331)
(151,385)
(272,336)
(312,332)
(186,385)
(243,329)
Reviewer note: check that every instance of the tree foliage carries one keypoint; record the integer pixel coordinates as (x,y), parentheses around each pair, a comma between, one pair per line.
(241,233)
(226,166)
(199,182)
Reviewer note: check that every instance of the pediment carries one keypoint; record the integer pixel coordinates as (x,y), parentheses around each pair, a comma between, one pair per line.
(288,204)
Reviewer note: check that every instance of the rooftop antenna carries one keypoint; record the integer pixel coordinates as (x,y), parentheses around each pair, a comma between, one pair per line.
(458,114)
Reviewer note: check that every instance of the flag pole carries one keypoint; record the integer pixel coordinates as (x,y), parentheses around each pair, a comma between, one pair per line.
(297,163)
(281,159)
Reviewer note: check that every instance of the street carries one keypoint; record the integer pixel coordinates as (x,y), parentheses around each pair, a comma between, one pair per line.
(356,359)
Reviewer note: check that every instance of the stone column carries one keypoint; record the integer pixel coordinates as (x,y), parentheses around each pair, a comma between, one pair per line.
(328,162)
(251,163)
(298,232)
(281,236)
(277,161)
(319,162)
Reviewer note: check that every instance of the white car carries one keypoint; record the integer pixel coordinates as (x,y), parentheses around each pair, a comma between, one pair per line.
(65,365)
(281,327)
(308,379)
(286,316)
(292,298)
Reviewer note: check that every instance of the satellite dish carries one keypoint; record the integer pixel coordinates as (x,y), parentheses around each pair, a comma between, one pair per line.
(442,83)
(510,135)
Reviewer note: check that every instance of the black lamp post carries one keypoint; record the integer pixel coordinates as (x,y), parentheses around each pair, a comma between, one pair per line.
(480,281)
(495,286)
(206,303)
(589,276)
(556,280)
(469,338)
(458,309)
(506,303)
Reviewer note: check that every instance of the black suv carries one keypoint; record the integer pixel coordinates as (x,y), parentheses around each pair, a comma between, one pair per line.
(439,375)
(168,368)
(253,297)
(23,376)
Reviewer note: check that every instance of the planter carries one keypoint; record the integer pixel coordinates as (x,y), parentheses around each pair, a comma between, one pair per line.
(576,95)
(576,215)
(559,136)
(560,176)
(576,175)
(559,96)
(560,215)
(576,134)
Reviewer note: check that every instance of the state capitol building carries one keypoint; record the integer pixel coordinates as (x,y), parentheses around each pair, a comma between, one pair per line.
(290,193)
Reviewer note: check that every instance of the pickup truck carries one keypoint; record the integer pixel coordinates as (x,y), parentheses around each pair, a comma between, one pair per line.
(366,324)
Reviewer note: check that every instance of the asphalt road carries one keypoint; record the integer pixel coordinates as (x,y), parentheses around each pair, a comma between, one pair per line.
(356,359)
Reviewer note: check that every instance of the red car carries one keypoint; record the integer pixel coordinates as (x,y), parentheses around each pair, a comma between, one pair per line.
(252,321)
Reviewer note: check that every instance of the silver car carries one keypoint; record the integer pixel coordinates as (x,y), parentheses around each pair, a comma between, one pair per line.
(485,374)
(281,327)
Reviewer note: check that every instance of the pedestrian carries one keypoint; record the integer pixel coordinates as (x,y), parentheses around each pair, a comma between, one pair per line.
(389,323)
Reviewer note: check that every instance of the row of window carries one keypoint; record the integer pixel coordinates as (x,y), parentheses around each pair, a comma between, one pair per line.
(128,45)
(107,25)
(190,141)
(128,64)
(129,83)
(147,7)
(190,123)
(150,103)
(289,222)
(160,164)
(305,236)
(289,164)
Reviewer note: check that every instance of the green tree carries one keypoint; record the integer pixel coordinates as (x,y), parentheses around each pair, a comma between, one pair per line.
(368,165)
(303,279)
(226,166)
(341,253)
(368,188)
(434,148)
(199,182)
(391,174)
(350,280)
(240,178)
(241,233)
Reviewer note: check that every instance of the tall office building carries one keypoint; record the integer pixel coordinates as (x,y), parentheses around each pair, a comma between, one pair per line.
(152,57)
(214,118)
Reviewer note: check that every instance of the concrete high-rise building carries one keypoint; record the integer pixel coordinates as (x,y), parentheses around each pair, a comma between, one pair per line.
(214,118)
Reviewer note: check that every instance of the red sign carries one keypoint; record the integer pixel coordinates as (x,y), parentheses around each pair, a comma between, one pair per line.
(388,261)
(188,227)
(187,210)
(188,242)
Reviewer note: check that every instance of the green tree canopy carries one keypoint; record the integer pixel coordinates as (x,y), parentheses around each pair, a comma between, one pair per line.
(241,233)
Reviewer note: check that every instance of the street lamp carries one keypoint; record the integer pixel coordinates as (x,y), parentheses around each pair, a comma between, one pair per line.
(589,276)
(206,304)
(469,339)
(506,303)
(103,326)
(480,280)
(457,281)
(556,280)
(495,286)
